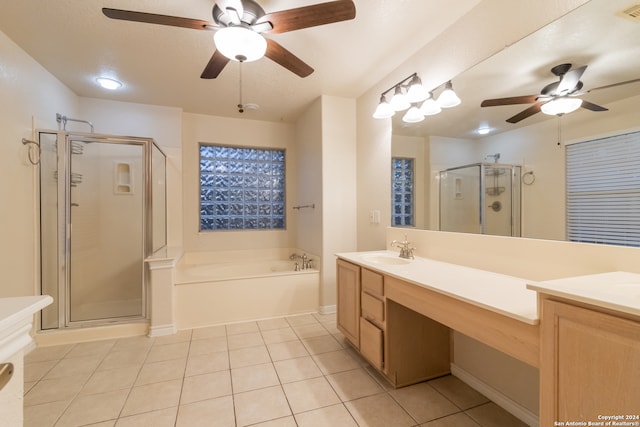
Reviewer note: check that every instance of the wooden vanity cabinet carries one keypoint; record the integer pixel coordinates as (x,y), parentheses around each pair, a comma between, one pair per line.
(590,363)
(348,301)
(372,322)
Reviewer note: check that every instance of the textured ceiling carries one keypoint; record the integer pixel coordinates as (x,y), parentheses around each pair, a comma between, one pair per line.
(161,65)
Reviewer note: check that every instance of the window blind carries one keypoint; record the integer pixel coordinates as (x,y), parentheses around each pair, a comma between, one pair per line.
(603,190)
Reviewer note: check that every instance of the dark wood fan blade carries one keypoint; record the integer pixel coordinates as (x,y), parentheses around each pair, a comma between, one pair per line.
(288,60)
(535,108)
(570,80)
(309,16)
(215,66)
(593,107)
(152,18)
(614,85)
(528,99)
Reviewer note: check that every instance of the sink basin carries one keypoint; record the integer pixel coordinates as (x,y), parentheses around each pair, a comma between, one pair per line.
(385,259)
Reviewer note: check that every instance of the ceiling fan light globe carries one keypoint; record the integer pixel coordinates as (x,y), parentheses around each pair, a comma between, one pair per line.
(237,42)
(560,106)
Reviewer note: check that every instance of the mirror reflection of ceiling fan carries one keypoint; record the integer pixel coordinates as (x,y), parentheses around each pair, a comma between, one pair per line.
(239,26)
(557,98)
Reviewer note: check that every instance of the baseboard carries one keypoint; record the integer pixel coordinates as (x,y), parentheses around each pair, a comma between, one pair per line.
(162,330)
(500,399)
(327,309)
(77,335)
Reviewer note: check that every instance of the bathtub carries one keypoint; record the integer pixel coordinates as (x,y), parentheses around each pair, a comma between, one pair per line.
(221,287)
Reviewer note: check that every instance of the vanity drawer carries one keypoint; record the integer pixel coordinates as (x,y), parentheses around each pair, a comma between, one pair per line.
(372,282)
(371,343)
(372,308)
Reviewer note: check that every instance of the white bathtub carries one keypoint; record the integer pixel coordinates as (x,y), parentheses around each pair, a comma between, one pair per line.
(221,287)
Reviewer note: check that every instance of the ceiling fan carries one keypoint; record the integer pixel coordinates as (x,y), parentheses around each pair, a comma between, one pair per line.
(239,25)
(556,98)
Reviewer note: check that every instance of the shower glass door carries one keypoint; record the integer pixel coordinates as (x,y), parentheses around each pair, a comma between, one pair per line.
(107,230)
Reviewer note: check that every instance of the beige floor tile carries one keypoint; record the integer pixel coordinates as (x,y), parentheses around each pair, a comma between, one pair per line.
(36,370)
(96,348)
(123,358)
(321,344)
(161,371)
(491,415)
(297,369)
(253,377)
(332,328)
(28,385)
(251,339)
(260,405)
(84,365)
(152,397)
(279,422)
(242,328)
(93,408)
(301,319)
(41,354)
(459,419)
(209,332)
(379,410)
(207,363)
(458,392)
(354,384)
(269,324)
(208,345)
(43,415)
(110,423)
(159,353)
(111,380)
(335,416)
(180,336)
(139,343)
(287,350)
(310,394)
(279,335)
(248,356)
(326,318)
(206,386)
(336,361)
(423,402)
(58,389)
(216,412)
(160,418)
(310,331)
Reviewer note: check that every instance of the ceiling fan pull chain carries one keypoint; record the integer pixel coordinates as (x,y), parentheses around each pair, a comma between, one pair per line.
(240,105)
(559,130)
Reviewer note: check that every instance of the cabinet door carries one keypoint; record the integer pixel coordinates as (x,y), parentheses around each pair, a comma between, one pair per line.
(348,301)
(371,343)
(590,364)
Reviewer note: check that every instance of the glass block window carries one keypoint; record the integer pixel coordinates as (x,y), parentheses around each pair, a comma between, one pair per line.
(402,191)
(241,188)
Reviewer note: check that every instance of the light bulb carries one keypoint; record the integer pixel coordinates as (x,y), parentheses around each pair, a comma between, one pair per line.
(384,110)
(448,97)
(416,92)
(399,100)
(430,107)
(414,115)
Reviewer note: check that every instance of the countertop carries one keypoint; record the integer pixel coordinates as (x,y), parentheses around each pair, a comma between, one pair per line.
(500,293)
(616,290)
(16,315)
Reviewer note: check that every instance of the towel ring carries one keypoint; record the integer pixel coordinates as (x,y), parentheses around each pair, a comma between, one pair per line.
(28,142)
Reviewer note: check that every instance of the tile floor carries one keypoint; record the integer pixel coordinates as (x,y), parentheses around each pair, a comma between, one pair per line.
(293,371)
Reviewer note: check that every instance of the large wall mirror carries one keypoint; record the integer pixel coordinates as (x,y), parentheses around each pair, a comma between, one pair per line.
(596,35)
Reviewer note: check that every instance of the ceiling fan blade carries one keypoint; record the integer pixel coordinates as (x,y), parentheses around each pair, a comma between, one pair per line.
(528,99)
(593,107)
(535,108)
(152,18)
(570,80)
(288,60)
(613,85)
(309,16)
(215,66)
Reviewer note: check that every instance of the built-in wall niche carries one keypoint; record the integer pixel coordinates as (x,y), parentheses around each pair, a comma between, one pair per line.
(593,35)
(123,178)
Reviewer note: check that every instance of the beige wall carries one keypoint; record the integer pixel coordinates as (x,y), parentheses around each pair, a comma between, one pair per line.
(31,97)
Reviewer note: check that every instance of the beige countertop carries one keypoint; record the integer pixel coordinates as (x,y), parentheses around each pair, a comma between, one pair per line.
(506,295)
(616,290)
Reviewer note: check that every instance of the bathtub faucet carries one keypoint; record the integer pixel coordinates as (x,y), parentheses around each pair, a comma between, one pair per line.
(406,251)
(306,261)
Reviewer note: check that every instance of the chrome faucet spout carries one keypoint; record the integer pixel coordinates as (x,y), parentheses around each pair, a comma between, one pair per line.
(406,251)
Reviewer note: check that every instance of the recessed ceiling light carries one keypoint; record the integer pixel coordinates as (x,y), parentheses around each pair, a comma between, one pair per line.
(483,131)
(108,83)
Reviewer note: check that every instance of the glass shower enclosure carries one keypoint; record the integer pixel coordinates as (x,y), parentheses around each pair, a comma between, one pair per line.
(481,198)
(102,212)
